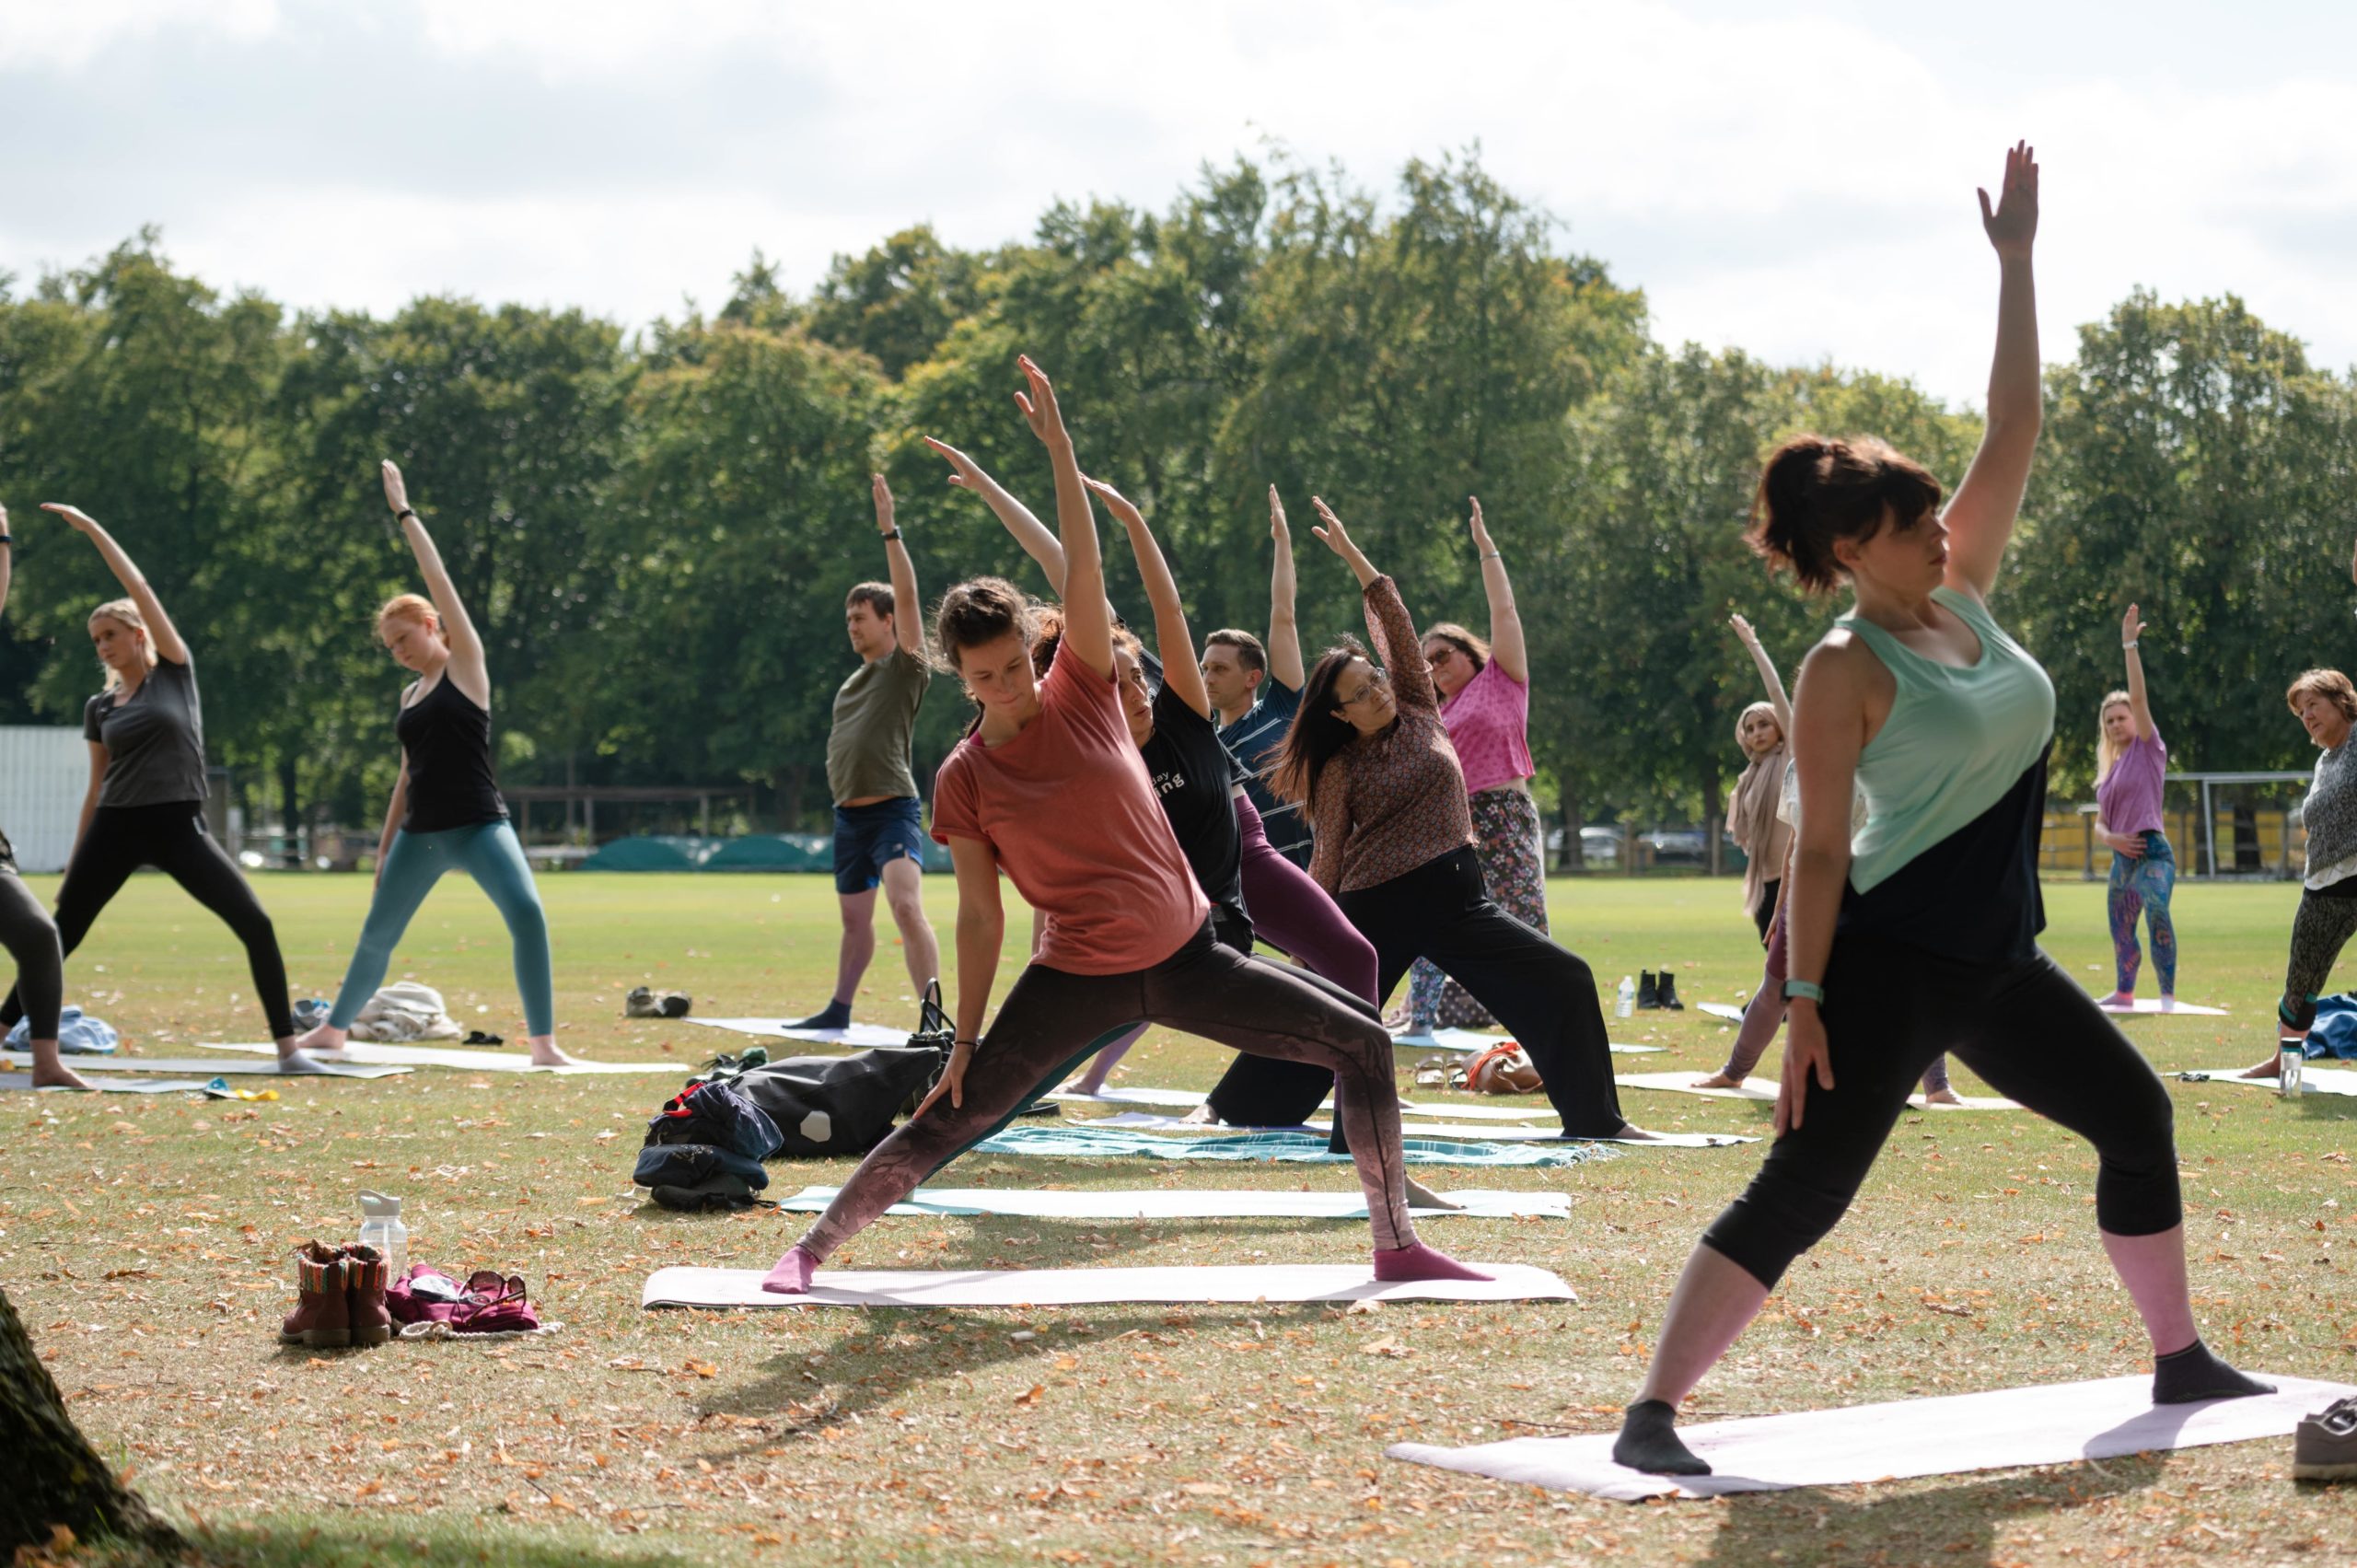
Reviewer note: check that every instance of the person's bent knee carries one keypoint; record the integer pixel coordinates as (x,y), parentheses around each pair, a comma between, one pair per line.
(1765,1267)
(1773,1221)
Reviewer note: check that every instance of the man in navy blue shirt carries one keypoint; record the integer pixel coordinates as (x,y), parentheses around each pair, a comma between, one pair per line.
(1256,689)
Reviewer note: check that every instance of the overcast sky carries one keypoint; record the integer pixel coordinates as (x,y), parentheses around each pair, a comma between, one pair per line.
(1793,179)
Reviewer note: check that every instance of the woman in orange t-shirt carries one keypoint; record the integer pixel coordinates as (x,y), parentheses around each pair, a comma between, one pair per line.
(1049,789)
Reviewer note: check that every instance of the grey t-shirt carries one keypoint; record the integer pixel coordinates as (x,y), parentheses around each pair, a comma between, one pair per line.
(155,741)
(876,711)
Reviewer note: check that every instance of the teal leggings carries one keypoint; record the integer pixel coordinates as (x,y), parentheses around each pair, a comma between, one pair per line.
(489,852)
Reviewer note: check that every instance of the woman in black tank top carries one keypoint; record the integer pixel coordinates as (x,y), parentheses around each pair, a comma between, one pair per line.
(445,812)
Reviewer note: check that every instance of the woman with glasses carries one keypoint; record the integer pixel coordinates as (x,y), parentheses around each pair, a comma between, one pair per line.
(1369,760)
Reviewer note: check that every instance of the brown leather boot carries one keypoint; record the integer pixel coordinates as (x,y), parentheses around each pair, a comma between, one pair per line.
(321,1316)
(364,1295)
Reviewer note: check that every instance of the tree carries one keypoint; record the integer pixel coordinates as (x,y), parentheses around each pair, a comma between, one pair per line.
(55,1478)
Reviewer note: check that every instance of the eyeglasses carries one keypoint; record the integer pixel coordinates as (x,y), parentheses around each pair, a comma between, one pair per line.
(1375,683)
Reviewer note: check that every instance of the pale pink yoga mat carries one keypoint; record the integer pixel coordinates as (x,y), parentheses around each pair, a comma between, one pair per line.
(2061,1424)
(1092,1287)
(1765,1089)
(370,1054)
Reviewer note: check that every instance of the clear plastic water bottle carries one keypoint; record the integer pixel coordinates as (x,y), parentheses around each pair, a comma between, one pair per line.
(1627,999)
(2288,1064)
(381,1228)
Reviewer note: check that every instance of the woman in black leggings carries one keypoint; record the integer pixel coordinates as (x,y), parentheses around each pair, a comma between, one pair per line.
(26,929)
(1921,936)
(147,800)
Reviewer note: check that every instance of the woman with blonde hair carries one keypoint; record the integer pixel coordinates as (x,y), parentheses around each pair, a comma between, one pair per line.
(2327,918)
(1752,818)
(446,813)
(145,805)
(2130,762)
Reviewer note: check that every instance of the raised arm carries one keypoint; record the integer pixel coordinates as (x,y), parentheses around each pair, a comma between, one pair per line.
(1285,666)
(908,615)
(467,664)
(161,634)
(1390,626)
(1039,540)
(1506,646)
(1981,516)
(1768,676)
(1172,641)
(1088,619)
(2139,707)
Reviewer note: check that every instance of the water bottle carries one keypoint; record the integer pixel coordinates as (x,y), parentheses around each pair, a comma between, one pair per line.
(2288,1062)
(1628,1000)
(381,1228)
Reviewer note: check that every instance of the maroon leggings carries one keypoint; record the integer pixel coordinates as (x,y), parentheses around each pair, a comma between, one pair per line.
(1052,1020)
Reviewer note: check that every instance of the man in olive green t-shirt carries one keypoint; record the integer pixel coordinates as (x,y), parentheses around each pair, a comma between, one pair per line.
(879,827)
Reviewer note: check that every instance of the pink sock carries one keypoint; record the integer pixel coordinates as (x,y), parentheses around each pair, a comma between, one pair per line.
(793,1273)
(1418,1261)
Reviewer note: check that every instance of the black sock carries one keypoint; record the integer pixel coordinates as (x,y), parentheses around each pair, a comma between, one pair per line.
(1649,1442)
(836,1015)
(2184,1376)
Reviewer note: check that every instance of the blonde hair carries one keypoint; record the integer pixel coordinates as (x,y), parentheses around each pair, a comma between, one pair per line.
(2107,754)
(415,610)
(127,611)
(1744,717)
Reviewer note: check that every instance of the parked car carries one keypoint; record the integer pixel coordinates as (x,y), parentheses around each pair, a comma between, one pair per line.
(1600,845)
(1677,846)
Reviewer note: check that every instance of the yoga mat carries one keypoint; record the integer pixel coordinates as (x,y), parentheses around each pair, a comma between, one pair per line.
(1467,1042)
(1719,1010)
(2152,1005)
(367,1053)
(1189,1098)
(1683,1083)
(859,1037)
(2061,1424)
(1092,1287)
(113,1084)
(2315,1080)
(1147,1120)
(1095,1140)
(1158,1204)
(210,1068)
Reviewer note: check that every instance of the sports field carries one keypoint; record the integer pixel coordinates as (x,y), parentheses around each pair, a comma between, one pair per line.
(144,1241)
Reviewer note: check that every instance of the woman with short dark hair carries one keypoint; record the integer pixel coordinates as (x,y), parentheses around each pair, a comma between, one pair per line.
(2327,706)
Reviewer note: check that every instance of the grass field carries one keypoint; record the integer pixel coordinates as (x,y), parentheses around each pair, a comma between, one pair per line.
(146,1243)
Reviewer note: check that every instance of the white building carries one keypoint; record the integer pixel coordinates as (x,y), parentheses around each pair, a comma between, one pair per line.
(44,772)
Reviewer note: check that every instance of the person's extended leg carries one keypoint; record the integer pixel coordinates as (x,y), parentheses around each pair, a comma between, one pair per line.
(116,845)
(411,866)
(856,877)
(493,856)
(2040,1039)
(193,859)
(30,937)
(2321,927)
(904,894)
(1762,1017)
(1102,1063)
(2124,901)
(2156,880)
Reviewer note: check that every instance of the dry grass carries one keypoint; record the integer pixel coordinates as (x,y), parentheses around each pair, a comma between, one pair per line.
(146,1243)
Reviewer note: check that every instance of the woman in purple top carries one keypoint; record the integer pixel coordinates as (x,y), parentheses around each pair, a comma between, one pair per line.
(1485,704)
(2130,761)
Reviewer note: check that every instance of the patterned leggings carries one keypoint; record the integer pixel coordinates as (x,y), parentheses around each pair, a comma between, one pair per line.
(2142,885)
(1508,844)
(2327,918)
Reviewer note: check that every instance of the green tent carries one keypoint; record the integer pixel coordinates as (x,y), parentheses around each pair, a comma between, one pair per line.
(666,851)
(775,852)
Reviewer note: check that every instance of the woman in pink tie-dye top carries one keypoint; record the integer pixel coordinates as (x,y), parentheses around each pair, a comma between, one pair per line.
(1485,702)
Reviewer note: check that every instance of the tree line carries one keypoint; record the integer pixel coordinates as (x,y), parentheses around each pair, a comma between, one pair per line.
(656,528)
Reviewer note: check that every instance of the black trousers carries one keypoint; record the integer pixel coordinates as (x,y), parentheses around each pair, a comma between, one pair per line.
(172,838)
(2031,1031)
(30,937)
(1542,994)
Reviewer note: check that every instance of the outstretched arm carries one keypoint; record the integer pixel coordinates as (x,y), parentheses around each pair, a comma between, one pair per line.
(162,633)
(908,615)
(1389,624)
(1829,734)
(1172,640)
(467,664)
(1505,622)
(1285,666)
(1088,619)
(1981,517)
(1038,542)
(1768,676)
(2139,706)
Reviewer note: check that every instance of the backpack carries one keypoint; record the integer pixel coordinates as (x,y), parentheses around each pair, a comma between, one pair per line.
(719,1115)
(824,1106)
(696,1177)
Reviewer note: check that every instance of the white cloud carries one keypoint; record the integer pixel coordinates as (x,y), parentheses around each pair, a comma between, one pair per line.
(55,34)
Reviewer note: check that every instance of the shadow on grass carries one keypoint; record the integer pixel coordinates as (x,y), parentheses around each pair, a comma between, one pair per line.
(1962,1523)
(360,1541)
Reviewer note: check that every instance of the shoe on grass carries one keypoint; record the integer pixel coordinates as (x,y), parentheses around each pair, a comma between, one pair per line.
(2324,1446)
(322,1315)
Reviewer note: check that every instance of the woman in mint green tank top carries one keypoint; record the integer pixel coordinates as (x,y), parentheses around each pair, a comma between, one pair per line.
(1919,936)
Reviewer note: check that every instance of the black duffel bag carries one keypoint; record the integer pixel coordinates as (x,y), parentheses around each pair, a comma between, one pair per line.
(844,1105)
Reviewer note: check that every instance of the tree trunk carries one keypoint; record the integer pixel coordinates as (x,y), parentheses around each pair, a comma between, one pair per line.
(1573,860)
(55,1476)
(291,810)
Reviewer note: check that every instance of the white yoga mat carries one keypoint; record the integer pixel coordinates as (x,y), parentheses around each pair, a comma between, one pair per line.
(212,1068)
(1719,1010)
(2151,1005)
(1093,1287)
(859,1037)
(113,1084)
(1683,1083)
(368,1054)
(1467,1042)
(1160,1203)
(1146,1121)
(2314,1079)
(2061,1424)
